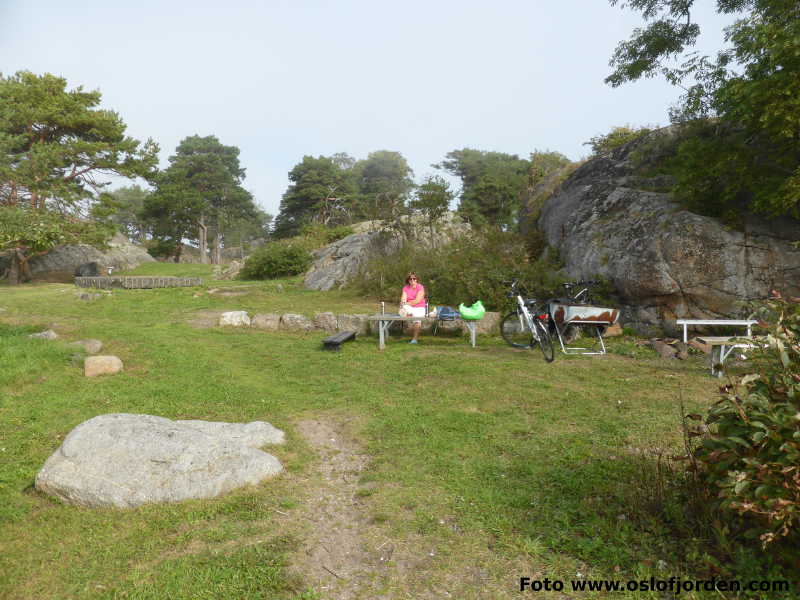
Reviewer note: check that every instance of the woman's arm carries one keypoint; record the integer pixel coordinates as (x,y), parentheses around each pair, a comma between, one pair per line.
(419,297)
(403,298)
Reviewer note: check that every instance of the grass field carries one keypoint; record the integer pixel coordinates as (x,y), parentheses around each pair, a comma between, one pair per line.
(464,469)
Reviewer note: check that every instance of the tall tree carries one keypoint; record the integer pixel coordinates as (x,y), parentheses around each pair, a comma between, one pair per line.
(321,189)
(123,208)
(56,147)
(751,150)
(492,185)
(432,199)
(384,184)
(201,190)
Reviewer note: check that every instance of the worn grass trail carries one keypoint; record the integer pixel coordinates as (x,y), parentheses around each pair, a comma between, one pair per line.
(468,468)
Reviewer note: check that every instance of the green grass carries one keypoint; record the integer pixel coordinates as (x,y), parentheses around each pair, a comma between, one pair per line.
(485,454)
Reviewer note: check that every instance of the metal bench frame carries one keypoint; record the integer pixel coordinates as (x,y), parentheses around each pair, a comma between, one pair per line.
(580,350)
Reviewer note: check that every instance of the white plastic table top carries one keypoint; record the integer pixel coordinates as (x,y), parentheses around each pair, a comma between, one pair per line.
(714,322)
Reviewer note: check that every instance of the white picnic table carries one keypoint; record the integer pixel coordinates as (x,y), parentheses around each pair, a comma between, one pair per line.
(716,322)
(385,321)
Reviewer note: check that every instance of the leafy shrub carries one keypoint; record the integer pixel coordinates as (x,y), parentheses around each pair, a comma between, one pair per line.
(316,235)
(751,460)
(472,267)
(618,136)
(276,259)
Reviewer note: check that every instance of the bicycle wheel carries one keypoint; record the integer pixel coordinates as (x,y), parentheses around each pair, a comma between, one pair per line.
(545,341)
(515,331)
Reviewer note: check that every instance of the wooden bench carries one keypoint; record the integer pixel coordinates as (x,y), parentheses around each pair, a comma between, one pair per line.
(721,348)
(335,341)
(716,322)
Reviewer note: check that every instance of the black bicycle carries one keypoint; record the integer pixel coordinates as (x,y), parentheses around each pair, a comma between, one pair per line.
(527,325)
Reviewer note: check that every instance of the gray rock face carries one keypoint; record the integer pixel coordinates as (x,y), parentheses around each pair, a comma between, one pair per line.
(666,262)
(61,263)
(337,263)
(126,460)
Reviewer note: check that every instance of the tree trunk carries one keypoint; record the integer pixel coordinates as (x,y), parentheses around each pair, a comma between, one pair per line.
(19,271)
(13,271)
(215,248)
(178,250)
(203,238)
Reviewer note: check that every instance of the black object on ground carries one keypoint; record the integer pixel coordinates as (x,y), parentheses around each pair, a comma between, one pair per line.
(335,341)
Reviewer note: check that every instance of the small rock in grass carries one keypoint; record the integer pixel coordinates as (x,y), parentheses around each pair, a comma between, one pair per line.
(89,346)
(664,350)
(236,318)
(45,335)
(101,365)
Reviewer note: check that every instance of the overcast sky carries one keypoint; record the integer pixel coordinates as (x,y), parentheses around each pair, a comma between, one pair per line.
(282,79)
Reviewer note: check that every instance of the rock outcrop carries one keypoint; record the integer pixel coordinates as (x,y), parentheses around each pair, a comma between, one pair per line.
(61,262)
(665,262)
(337,263)
(126,460)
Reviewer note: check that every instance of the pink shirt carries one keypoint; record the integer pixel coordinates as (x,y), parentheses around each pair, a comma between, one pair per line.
(411,293)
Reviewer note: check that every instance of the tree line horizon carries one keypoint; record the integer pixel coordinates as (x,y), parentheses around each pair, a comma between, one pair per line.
(737,152)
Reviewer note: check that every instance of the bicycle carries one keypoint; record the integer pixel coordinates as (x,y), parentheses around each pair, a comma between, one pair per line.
(527,325)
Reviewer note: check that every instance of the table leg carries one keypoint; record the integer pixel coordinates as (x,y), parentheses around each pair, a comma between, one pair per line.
(381,344)
(471,326)
(716,361)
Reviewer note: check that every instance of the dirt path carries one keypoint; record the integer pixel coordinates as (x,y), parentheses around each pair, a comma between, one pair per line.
(334,559)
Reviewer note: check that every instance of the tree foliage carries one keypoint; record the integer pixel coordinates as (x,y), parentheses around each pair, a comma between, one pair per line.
(55,144)
(320,188)
(337,190)
(123,207)
(384,184)
(56,147)
(747,96)
(492,186)
(200,190)
(29,232)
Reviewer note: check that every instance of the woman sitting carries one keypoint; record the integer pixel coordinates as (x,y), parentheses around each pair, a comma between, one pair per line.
(412,301)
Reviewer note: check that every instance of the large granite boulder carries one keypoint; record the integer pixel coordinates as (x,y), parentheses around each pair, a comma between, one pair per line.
(61,263)
(336,264)
(125,460)
(666,262)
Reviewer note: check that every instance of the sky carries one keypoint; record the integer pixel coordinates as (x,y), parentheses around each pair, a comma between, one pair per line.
(280,80)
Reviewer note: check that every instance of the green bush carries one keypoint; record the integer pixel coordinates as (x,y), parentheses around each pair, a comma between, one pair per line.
(314,235)
(276,259)
(470,268)
(751,459)
(618,136)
